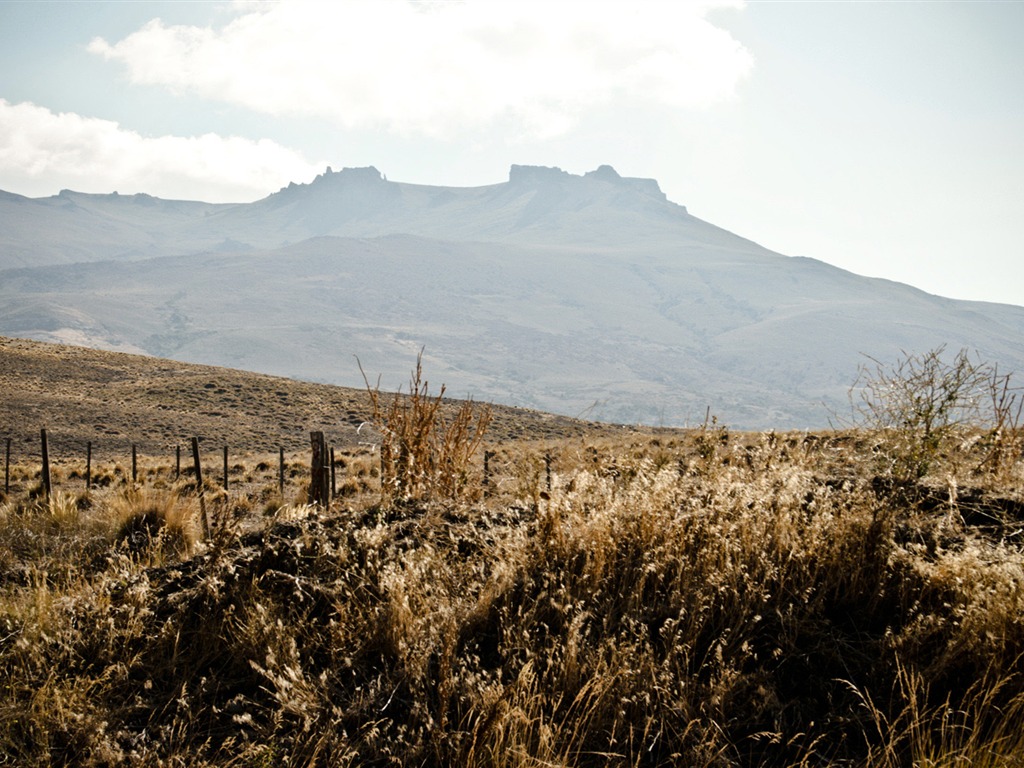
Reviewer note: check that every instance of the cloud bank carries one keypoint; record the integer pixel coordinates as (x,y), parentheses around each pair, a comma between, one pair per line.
(39,148)
(446,68)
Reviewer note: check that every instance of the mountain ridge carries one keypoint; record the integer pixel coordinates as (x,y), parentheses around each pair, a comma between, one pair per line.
(550,290)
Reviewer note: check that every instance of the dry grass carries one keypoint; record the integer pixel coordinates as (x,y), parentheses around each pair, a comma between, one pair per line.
(114,400)
(701,599)
(606,598)
(426,449)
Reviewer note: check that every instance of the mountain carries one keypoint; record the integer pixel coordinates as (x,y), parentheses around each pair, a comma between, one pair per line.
(585,295)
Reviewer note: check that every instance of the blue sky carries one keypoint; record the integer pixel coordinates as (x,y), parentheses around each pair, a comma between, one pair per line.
(886,138)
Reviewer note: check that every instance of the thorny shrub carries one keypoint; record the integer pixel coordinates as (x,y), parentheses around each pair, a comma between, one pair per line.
(923,406)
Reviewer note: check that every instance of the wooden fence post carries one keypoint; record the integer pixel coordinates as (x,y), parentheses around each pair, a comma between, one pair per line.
(225,467)
(7,469)
(280,471)
(319,483)
(199,486)
(488,455)
(325,476)
(177,462)
(135,464)
(47,485)
(88,466)
(334,491)
(547,469)
(325,472)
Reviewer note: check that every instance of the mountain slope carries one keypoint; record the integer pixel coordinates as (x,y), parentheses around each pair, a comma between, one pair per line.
(536,206)
(573,294)
(76,227)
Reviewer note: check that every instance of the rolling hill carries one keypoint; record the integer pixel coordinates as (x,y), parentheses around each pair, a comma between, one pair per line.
(115,400)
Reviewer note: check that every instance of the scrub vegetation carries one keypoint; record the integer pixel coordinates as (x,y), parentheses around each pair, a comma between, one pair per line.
(692,597)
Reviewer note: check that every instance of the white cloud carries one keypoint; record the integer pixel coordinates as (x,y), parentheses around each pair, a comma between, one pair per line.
(443,68)
(41,152)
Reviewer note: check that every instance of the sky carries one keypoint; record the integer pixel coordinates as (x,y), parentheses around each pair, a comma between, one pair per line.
(886,138)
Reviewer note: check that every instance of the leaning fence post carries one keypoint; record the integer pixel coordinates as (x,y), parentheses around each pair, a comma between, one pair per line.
(47,485)
(199,486)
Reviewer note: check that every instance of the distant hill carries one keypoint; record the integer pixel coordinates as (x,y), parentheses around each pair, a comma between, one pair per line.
(588,295)
(115,400)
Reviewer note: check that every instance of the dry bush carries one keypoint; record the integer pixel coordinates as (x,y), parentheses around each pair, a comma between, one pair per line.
(923,406)
(425,452)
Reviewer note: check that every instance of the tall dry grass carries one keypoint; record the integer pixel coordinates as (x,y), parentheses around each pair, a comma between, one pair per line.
(707,599)
(426,450)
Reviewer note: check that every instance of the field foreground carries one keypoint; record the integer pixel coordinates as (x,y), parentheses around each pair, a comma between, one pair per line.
(699,599)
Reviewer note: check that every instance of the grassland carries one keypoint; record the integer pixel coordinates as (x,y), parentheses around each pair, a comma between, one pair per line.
(609,597)
(115,400)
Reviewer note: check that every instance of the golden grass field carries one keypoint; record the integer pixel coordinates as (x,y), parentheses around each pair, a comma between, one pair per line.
(610,596)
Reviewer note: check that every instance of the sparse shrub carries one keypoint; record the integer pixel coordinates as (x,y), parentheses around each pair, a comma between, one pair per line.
(350,487)
(102,477)
(711,438)
(925,405)
(424,452)
(1002,441)
(272,504)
